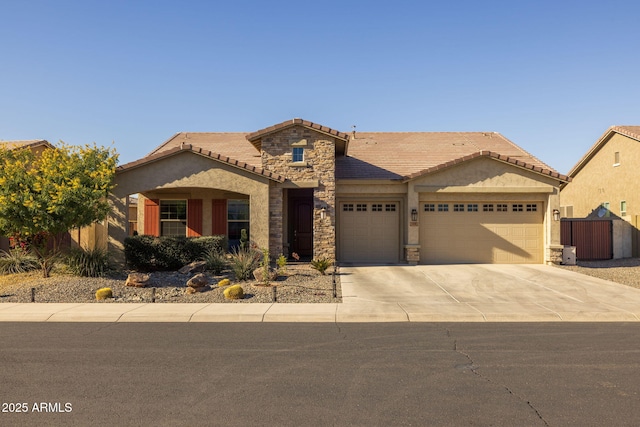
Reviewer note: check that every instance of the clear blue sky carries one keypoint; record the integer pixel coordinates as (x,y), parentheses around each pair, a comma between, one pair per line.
(551,76)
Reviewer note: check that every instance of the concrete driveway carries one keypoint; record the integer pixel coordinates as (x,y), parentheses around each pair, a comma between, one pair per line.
(489,292)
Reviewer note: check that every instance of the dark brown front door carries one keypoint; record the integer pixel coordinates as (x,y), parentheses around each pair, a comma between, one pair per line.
(301,226)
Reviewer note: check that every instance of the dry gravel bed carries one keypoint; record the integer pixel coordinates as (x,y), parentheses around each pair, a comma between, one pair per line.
(300,284)
(625,271)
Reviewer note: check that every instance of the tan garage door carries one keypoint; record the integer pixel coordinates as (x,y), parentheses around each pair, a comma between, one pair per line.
(477,232)
(369,232)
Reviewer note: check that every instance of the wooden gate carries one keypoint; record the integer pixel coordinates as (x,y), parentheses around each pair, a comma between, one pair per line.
(593,239)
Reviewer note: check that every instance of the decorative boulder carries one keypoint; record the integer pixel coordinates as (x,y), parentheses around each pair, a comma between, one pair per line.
(200,280)
(258,274)
(137,280)
(194,267)
(191,290)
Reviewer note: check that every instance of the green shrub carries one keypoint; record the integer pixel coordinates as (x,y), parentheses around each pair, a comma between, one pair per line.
(321,265)
(282,264)
(168,252)
(244,239)
(138,252)
(210,243)
(264,267)
(104,293)
(243,262)
(17,261)
(149,253)
(234,292)
(216,260)
(88,262)
(224,282)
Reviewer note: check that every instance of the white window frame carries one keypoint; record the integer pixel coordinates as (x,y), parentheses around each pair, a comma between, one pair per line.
(174,221)
(297,154)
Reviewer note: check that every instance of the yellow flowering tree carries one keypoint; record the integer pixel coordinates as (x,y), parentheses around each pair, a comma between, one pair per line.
(43,196)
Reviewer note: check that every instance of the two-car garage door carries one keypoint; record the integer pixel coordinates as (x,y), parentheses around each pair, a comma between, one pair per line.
(460,231)
(369,232)
(454,231)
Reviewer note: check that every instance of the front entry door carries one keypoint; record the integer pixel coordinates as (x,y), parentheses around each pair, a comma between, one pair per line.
(301,230)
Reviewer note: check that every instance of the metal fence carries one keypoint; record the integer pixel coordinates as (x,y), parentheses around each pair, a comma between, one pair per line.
(593,239)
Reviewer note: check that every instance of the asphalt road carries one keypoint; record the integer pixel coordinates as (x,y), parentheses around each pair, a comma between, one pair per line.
(300,374)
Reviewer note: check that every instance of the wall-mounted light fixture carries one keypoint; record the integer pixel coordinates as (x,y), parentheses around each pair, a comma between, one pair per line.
(323,213)
(414,214)
(556,215)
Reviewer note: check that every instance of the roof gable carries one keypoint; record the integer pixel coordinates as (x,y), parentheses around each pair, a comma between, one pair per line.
(632,132)
(255,138)
(488,154)
(199,151)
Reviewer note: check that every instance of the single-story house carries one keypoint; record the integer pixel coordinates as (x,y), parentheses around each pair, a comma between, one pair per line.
(362,197)
(604,184)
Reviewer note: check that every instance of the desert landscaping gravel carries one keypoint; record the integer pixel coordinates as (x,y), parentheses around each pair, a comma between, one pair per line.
(625,271)
(300,284)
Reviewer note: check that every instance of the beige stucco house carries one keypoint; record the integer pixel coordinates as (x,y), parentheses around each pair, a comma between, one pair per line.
(604,184)
(374,197)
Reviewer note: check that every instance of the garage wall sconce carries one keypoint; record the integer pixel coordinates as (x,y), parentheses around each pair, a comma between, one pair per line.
(414,214)
(556,215)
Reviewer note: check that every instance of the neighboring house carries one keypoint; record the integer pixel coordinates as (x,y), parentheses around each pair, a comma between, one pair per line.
(604,184)
(375,197)
(35,145)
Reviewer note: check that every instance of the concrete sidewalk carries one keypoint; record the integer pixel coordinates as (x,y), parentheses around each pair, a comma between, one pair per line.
(460,293)
(340,313)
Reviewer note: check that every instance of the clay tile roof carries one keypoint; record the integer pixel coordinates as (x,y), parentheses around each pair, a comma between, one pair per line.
(232,144)
(629,131)
(158,155)
(25,143)
(497,156)
(255,137)
(402,155)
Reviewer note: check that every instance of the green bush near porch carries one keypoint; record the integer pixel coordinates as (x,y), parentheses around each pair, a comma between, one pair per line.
(149,253)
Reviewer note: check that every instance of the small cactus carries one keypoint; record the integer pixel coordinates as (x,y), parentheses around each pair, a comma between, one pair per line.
(224,282)
(104,293)
(234,292)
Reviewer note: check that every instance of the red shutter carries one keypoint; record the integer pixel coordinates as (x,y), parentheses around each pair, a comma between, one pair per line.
(219,217)
(194,217)
(152,217)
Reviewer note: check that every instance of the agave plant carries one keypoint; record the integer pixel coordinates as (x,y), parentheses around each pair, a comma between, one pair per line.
(17,261)
(321,264)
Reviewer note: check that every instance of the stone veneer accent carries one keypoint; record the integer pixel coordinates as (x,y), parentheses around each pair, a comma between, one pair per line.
(412,254)
(554,254)
(318,164)
(276,221)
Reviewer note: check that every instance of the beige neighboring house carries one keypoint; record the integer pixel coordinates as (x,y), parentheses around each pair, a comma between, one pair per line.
(366,197)
(605,184)
(93,236)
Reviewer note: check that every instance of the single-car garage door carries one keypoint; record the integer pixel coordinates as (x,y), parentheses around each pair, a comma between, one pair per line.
(476,232)
(369,232)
